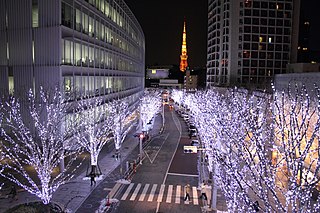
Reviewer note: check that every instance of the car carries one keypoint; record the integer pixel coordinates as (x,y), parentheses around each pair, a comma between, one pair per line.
(183,115)
(192,128)
(193,133)
(194,143)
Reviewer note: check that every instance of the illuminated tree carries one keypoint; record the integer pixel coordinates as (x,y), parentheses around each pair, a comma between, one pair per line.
(94,129)
(261,148)
(149,107)
(296,114)
(177,96)
(119,111)
(33,145)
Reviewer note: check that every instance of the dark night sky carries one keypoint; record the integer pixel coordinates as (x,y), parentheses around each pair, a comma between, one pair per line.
(162,23)
(311,12)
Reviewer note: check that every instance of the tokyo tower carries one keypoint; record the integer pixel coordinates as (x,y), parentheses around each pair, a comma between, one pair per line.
(184,56)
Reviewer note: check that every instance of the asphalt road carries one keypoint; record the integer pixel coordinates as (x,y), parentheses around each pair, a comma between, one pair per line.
(158,185)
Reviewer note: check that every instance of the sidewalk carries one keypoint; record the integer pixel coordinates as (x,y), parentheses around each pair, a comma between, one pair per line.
(72,194)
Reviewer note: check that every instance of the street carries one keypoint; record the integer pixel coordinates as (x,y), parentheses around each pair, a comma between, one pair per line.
(158,184)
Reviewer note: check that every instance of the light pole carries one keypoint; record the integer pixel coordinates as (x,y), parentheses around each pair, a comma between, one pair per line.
(140,146)
(162,113)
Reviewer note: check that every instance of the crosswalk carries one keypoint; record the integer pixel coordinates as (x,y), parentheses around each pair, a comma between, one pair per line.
(158,193)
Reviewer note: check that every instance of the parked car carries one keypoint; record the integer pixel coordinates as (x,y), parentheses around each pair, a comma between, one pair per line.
(183,115)
(195,143)
(192,128)
(193,133)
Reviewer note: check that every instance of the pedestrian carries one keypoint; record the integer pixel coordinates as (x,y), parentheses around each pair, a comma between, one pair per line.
(92,178)
(13,193)
(187,190)
(203,191)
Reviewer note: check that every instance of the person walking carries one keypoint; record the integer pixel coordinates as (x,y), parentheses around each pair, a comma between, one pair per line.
(92,178)
(203,191)
(187,190)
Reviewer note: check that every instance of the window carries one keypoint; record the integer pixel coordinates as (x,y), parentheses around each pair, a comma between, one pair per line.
(263,21)
(247,12)
(66,15)
(256,13)
(262,71)
(78,20)
(262,63)
(35,13)
(254,46)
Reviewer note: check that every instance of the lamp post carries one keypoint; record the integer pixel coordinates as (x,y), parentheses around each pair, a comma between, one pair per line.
(140,146)
(162,113)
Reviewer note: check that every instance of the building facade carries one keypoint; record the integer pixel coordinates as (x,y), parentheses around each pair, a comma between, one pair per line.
(249,41)
(190,81)
(89,48)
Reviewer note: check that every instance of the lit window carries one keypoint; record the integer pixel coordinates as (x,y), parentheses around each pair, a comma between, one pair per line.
(260,39)
(270,39)
(153,71)
(304,48)
(35,14)
(306,23)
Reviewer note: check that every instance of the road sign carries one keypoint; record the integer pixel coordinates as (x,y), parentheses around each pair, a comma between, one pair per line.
(190,149)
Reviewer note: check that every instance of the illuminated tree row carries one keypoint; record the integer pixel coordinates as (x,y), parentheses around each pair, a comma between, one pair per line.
(33,144)
(261,148)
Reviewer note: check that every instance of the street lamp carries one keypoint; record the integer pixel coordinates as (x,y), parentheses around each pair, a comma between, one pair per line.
(141,136)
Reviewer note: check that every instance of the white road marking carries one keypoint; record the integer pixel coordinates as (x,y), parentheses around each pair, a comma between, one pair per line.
(144,192)
(125,195)
(134,195)
(160,196)
(178,194)
(169,195)
(195,195)
(153,190)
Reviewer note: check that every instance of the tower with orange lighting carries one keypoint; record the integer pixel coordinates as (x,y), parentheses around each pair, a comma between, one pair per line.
(184,56)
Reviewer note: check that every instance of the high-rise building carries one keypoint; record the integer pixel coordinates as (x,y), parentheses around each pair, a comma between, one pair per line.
(88,47)
(184,56)
(304,51)
(249,41)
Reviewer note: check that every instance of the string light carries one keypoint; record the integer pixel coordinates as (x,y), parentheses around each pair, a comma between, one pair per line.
(149,106)
(32,144)
(240,132)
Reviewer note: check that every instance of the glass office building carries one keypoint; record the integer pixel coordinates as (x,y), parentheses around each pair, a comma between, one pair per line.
(249,41)
(89,48)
